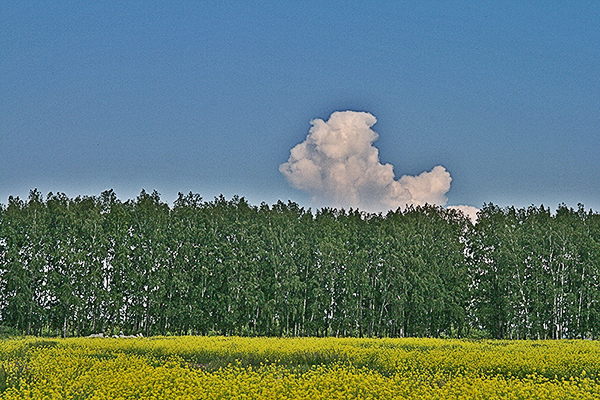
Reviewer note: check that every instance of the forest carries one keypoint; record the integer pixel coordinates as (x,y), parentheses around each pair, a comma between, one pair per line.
(76,266)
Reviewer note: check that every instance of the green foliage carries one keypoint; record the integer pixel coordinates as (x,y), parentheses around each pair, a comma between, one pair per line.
(73,267)
(8,332)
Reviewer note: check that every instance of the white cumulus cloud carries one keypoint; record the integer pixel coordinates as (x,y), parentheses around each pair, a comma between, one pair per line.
(339,166)
(468,211)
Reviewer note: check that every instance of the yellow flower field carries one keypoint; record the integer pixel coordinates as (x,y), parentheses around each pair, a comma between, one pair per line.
(301,368)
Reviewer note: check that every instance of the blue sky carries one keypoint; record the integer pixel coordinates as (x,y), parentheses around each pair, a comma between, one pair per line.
(211,97)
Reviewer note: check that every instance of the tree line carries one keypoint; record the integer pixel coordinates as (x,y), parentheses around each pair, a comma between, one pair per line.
(76,266)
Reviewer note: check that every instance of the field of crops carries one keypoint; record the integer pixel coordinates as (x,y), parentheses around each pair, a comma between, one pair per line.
(304,368)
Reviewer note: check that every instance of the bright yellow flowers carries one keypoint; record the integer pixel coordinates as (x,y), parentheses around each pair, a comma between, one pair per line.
(308,368)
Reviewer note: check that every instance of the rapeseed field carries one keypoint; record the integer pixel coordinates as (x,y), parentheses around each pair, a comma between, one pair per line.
(297,368)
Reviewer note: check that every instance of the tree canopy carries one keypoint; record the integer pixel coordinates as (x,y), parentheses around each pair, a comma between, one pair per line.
(90,264)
